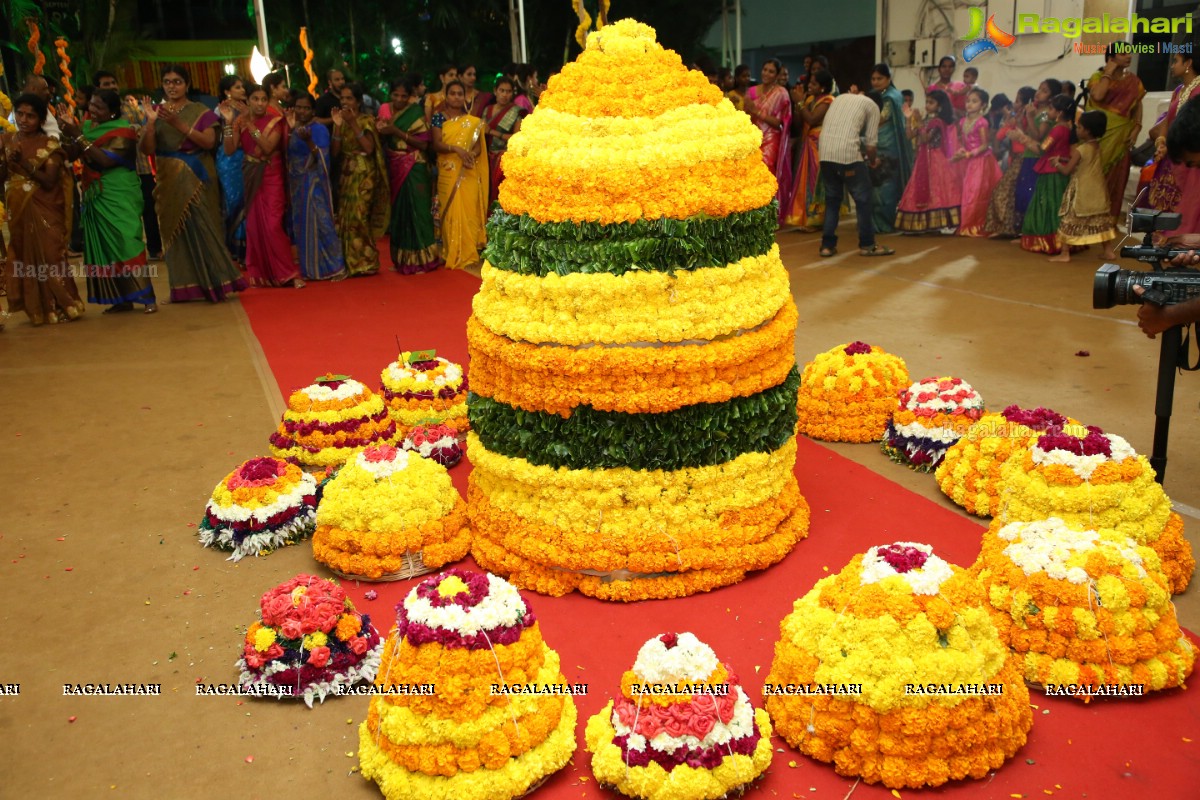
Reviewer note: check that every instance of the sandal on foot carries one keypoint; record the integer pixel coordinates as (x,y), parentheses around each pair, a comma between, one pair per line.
(877,250)
(826,252)
(151,309)
(119,308)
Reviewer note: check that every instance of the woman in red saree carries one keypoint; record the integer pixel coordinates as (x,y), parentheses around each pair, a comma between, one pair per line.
(38,278)
(1174,187)
(770,108)
(1118,93)
(259,133)
(503,119)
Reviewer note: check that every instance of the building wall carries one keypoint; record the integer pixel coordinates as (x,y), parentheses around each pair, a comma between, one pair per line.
(776,23)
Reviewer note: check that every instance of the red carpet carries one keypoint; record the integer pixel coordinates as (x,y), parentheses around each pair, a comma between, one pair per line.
(1108,750)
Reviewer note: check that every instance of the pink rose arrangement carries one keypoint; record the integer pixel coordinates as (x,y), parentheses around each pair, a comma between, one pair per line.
(438,442)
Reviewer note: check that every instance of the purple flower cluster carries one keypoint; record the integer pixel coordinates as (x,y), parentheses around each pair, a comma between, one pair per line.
(1094,444)
(857,349)
(902,558)
(700,758)
(1039,419)
(341,426)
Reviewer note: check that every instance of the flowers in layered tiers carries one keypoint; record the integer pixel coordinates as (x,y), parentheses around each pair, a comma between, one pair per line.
(848,393)
(310,642)
(326,423)
(579,308)
(675,658)
(473,604)
(424,378)
(385,490)
(622,55)
(262,505)
(631,379)
(1082,455)
(1084,607)
(875,641)
(934,414)
(436,442)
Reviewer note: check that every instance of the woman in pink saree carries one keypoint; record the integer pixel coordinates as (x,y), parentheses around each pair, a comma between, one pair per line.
(770,108)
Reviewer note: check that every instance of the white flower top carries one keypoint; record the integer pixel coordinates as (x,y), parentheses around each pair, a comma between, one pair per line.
(428,447)
(926,579)
(1084,466)
(345,390)
(1049,545)
(502,607)
(942,396)
(386,468)
(451,373)
(689,661)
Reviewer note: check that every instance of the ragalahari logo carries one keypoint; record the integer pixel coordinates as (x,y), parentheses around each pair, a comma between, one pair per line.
(985,37)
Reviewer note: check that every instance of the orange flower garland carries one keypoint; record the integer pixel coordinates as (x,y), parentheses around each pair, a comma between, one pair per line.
(913,685)
(441,730)
(848,393)
(1086,609)
(432,391)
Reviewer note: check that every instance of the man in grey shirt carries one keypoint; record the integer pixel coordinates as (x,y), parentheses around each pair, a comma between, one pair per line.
(850,130)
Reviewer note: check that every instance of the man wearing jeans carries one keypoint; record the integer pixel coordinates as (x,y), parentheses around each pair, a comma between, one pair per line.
(851,127)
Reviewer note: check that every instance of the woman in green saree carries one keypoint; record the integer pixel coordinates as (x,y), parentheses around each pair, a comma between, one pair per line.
(182,134)
(406,139)
(362,215)
(895,145)
(112,206)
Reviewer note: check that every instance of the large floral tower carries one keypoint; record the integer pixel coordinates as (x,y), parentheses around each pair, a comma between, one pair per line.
(632,367)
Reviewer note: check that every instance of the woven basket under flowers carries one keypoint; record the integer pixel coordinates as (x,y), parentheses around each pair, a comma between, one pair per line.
(422,388)
(390,515)
(704,740)
(329,421)
(1086,608)
(1093,480)
(849,393)
(893,671)
(264,504)
(437,442)
(934,413)
(494,716)
(970,473)
(310,643)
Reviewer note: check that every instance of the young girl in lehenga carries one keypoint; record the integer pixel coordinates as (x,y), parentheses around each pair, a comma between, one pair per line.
(931,198)
(1002,218)
(980,171)
(1039,230)
(1083,215)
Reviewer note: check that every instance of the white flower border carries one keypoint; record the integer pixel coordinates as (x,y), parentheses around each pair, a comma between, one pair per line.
(927,580)
(1084,466)
(362,672)
(427,449)
(294,530)
(306,486)
(918,430)
(1047,545)
(322,393)
(383,469)
(397,373)
(938,404)
(503,607)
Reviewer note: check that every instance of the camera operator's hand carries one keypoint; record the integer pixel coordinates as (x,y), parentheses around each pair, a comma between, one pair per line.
(1189,241)
(1153,319)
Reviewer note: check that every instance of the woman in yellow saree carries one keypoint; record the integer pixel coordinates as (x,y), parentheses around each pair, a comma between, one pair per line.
(1118,93)
(462,179)
(363,197)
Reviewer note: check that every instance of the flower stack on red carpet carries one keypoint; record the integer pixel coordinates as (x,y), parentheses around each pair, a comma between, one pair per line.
(970,474)
(849,393)
(1092,480)
(933,414)
(1083,608)
(389,514)
(682,728)
(437,442)
(893,671)
(310,643)
(264,504)
(634,385)
(474,705)
(422,388)
(329,421)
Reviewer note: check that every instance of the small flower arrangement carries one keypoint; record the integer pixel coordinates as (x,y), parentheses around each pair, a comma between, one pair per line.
(1084,607)
(390,514)
(264,504)
(422,388)
(1095,480)
(309,643)
(971,470)
(849,393)
(437,442)
(934,414)
(872,639)
(683,727)
(457,635)
(327,422)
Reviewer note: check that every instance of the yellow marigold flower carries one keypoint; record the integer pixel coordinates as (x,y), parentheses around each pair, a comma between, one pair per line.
(316,639)
(263,639)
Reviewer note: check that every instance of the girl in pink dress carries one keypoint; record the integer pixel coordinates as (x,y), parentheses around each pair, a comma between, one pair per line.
(980,172)
(770,108)
(931,198)
(268,250)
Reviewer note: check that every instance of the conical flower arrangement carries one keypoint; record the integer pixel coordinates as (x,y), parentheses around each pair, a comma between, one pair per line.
(473,704)
(1088,609)
(892,670)
(634,385)
(849,393)
(682,728)
(1091,480)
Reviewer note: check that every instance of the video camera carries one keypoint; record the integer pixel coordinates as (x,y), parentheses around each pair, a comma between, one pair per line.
(1167,286)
